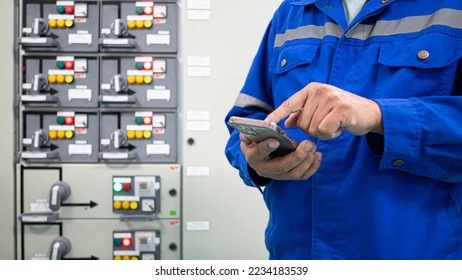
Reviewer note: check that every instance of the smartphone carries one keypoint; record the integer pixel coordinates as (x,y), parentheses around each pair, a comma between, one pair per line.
(259,130)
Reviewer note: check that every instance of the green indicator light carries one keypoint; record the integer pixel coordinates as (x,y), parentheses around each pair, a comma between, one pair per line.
(139,65)
(117,187)
(60,120)
(60,64)
(139,10)
(139,120)
(60,9)
(172,213)
(117,241)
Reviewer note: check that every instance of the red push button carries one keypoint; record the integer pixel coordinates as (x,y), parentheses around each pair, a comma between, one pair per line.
(127,187)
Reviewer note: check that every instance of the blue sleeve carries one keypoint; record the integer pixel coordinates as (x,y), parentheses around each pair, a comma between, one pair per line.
(254,101)
(423,136)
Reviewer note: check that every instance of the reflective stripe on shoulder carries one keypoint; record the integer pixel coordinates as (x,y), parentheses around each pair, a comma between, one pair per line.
(443,17)
(245,100)
(309,31)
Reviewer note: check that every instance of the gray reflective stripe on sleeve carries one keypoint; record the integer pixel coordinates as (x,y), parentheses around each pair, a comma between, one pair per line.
(245,100)
(445,17)
(309,31)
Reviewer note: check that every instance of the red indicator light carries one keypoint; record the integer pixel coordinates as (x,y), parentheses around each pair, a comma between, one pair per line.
(69,120)
(147,10)
(69,10)
(147,120)
(69,65)
(147,66)
(126,242)
(127,187)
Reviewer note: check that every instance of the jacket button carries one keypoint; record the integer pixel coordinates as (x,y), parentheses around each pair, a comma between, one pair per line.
(423,54)
(283,63)
(398,162)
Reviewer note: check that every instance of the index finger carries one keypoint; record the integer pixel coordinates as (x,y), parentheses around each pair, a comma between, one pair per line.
(292,105)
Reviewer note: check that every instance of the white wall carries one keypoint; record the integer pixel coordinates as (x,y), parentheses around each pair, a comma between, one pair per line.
(236,214)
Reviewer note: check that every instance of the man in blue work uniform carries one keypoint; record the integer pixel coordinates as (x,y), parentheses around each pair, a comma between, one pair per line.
(373,96)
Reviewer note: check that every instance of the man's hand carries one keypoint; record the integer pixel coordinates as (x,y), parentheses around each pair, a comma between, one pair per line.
(324,111)
(297,165)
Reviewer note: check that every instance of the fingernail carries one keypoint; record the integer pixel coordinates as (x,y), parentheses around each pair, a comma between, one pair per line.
(273,144)
(308,146)
(318,156)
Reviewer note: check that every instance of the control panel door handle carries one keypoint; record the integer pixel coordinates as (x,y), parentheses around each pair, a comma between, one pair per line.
(39,26)
(59,192)
(60,247)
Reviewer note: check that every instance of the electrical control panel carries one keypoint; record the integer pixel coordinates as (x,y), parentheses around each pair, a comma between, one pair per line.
(97,171)
(141,136)
(136,245)
(100,240)
(138,26)
(51,197)
(139,82)
(60,81)
(63,136)
(136,197)
(59,26)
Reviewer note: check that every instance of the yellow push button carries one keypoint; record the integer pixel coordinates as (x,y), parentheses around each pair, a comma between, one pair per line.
(61,23)
(117,258)
(131,24)
(69,134)
(130,134)
(52,134)
(147,23)
(126,258)
(52,79)
(117,205)
(139,79)
(139,24)
(133,205)
(60,79)
(52,23)
(125,205)
(131,79)
(134,258)
(69,23)
(147,79)
(69,79)
(147,134)
(61,134)
(139,134)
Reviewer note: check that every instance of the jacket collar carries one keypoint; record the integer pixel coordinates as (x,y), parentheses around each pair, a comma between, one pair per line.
(303,2)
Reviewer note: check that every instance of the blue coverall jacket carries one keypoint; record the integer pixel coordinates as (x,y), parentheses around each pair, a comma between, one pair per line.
(391,196)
